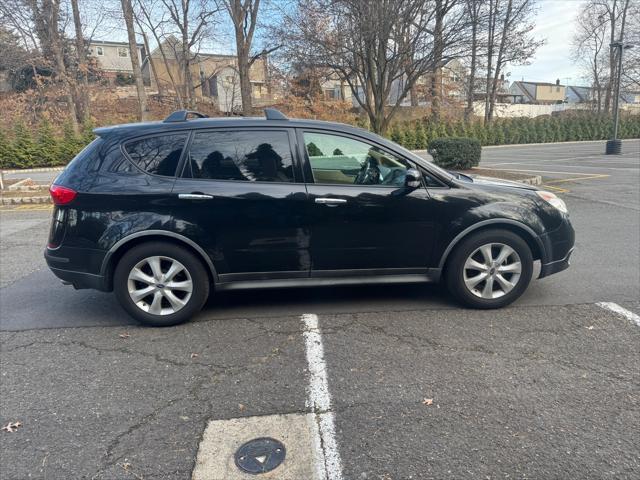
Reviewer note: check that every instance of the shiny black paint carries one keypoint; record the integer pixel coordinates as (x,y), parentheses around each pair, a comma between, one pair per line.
(257,231)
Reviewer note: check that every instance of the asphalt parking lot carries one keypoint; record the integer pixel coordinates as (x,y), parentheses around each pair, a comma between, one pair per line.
(398,382)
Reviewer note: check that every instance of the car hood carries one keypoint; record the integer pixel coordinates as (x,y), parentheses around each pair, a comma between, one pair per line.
(499,182)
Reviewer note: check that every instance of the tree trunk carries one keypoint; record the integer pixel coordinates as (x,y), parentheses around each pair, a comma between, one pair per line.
(612,58)
(436,78)
(490,47)
(243,73)
(51,11)
(468,113)
(189,93)
(154,31)
(152,63)
(499,61)
(127,11)
(83,94)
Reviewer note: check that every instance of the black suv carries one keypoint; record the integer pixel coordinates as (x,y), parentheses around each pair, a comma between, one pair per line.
(165,212)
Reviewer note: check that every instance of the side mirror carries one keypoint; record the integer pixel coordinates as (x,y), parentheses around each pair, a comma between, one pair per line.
(413,178)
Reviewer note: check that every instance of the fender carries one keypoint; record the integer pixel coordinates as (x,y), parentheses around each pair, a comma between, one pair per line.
(164,233)
(497,222)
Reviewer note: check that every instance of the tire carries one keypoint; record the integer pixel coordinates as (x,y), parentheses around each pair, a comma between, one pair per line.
(161,301)
(493,290)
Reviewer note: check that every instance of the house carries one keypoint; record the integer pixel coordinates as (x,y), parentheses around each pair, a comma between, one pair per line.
(576,94)
(451,86)
(503,94)
(114,58)
(214,76)
(539,93)
(630,97)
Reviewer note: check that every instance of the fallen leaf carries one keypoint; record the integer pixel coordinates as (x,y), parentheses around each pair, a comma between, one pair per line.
(124,335)
(194,355)
(12,426)
(427,401)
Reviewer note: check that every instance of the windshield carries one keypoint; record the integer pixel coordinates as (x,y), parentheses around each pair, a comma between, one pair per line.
(429,164)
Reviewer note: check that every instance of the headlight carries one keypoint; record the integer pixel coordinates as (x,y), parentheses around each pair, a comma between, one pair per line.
(553,200)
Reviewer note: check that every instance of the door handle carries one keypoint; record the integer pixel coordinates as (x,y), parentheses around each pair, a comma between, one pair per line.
(330,201)
(194,196)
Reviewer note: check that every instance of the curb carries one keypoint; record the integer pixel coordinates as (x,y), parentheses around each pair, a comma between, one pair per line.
(537,180)
(26,200)
(626,140)
(32,170)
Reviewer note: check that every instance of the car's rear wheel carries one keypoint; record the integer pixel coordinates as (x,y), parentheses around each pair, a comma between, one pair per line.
(160,284)
(490,269)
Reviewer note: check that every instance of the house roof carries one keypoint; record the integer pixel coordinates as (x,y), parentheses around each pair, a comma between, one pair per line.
(583,93)
(528,89)
(114,44)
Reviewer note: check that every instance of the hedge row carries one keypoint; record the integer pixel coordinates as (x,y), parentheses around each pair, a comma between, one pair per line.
(418,134)
(44,147)
(24,147)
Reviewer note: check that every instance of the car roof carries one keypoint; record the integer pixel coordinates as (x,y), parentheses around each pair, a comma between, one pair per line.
(144,128)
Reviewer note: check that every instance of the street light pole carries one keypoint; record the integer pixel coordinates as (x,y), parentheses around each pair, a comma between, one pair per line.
(614,145)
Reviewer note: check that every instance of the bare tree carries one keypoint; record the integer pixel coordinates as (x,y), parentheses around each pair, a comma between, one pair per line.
(509,41)
(45,17)
(81,53)
(244,15)
(191,19)
(127,11)
(151,20)
(380,49)
(600,23)
(446,30)
(474,11)
(589,48)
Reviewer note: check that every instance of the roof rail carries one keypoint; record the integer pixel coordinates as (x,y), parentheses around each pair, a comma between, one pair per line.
(274,114)
(182,115)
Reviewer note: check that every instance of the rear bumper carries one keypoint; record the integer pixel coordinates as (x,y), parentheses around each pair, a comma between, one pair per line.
(79,280)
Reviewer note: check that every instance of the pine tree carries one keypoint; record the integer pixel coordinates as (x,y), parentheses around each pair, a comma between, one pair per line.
(68,146)
(23,145)
(45,145)
(409,137)
(396,135)
(419,136)
(7,153)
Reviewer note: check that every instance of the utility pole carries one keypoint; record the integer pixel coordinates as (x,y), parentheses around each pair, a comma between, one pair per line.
(614,145)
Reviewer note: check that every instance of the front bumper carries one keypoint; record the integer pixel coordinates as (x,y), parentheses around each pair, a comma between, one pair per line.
(557,266)
(558,246)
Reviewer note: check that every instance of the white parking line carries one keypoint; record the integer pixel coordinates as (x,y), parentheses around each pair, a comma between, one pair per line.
(615,308)
(328,463)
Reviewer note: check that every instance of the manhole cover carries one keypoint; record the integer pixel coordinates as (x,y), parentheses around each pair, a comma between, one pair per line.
(260,455)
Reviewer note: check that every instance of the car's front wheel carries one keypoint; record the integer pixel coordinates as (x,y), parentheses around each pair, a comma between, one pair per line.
(160,284)
(490,269)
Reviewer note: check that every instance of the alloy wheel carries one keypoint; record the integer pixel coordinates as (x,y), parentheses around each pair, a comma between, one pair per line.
(492,270)
(160,285)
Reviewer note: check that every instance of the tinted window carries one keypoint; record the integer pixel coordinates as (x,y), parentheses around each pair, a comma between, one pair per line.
(158,155)
(341,160)
(254,156)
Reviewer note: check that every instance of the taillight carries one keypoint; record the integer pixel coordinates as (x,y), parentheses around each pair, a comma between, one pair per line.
(62,195)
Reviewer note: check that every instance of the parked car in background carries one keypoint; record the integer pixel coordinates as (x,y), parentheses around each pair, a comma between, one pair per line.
(164,213)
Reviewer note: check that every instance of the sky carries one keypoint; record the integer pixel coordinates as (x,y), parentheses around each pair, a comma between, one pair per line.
(556,23)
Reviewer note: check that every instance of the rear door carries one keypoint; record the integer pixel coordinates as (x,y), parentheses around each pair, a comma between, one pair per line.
(241,197)
(363,219)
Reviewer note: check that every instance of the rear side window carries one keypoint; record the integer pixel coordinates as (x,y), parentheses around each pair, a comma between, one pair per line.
(250,155)
(158,155)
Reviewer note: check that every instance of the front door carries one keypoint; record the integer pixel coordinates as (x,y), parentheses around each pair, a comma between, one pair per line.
(241,198)
(363,219)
